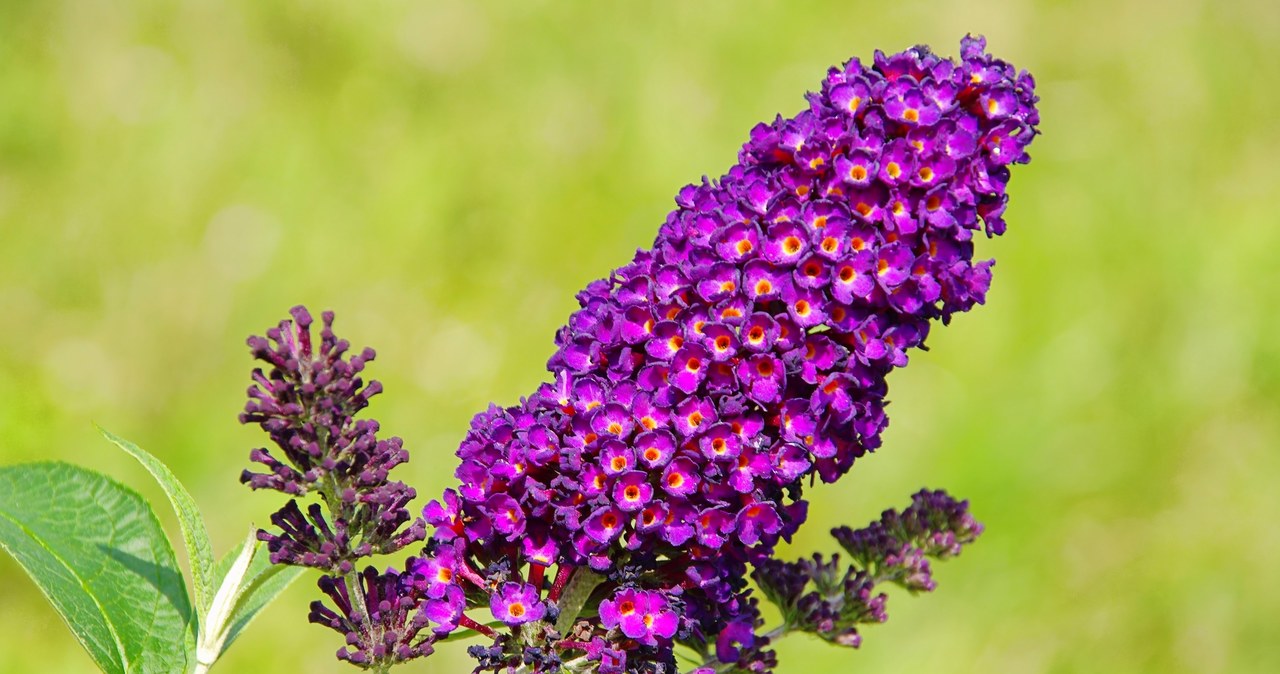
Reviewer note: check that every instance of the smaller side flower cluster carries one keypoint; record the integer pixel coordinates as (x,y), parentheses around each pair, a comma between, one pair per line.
(897,547)
(829,599)
(842,597)
(307,403)
(387,633)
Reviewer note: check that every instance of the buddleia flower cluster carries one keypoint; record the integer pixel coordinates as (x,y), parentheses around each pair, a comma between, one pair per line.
(618,511)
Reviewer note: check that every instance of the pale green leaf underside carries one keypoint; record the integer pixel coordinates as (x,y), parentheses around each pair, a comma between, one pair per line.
(194,534)
(96,550)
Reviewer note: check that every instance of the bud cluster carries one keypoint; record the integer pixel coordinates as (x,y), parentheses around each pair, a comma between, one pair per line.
(893,550)
(307,403)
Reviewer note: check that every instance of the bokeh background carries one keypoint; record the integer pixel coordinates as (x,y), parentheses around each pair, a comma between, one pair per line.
(176,175)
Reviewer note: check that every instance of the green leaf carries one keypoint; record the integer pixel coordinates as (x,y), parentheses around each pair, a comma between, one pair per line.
(96,550)
(575,595)
(263,582)
(194,534)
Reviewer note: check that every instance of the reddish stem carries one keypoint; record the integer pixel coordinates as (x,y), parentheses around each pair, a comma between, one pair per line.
(536,574)
(470,624)
(464,569)
(563,573)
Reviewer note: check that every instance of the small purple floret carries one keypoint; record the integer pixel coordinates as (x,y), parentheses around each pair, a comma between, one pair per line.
(517,604)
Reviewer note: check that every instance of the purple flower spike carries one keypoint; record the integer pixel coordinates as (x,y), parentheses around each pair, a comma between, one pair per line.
(700,387)
(388,635)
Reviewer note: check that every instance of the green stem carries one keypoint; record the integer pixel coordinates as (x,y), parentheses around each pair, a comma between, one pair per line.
(777,632)
(772,635)
(330,493)
(574,666)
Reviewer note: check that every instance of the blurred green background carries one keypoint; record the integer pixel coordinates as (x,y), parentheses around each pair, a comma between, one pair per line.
(445,175)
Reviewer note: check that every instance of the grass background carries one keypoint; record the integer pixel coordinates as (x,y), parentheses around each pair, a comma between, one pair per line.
(445,175)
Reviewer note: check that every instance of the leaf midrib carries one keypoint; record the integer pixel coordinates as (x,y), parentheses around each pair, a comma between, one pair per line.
(124,662)
(195,535)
